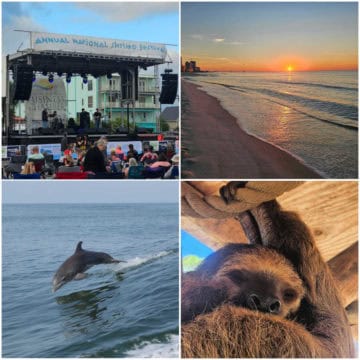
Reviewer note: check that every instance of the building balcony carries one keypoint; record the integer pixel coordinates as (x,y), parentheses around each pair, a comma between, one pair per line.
(138,105)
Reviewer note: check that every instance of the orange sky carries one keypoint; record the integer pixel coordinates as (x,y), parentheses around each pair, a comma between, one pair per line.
(270,36)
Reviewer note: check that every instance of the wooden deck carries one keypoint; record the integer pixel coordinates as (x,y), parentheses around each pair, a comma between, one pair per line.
(329,208)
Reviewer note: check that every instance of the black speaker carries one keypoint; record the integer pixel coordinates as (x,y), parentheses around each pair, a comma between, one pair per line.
(169,88)
(129,85)
(23,78)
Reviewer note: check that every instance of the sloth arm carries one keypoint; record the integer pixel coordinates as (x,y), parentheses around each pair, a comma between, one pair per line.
(322,312)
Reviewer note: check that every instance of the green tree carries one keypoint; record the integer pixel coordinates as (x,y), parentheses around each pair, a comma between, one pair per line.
(164,126)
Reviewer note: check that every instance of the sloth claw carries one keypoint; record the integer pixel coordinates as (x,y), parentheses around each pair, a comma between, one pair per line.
(229,190)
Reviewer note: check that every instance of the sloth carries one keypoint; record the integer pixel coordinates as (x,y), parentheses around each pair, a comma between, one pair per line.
(248,276)
(275,297)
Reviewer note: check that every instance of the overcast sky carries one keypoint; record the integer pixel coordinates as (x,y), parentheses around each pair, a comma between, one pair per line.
(135,21)
(90,191)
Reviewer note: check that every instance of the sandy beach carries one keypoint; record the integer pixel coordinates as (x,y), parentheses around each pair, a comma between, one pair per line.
(215,147)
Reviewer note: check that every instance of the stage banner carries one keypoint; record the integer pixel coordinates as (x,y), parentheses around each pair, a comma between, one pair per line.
(159,146)
(45,95)
(11,150)
(124,146)
(42,41)
(163,146)
(49,149)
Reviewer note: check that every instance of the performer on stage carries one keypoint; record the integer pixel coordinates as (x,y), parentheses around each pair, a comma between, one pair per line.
(45,118)
(97,118)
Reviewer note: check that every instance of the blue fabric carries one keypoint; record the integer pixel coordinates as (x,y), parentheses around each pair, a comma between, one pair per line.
(27,176)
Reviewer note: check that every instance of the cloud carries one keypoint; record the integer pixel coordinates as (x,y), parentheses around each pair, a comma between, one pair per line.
(218,40)
(196,36)
(126,11)
(13,40)
(235,43)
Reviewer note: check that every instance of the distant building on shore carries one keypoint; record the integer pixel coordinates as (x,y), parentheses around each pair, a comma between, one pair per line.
(190,66)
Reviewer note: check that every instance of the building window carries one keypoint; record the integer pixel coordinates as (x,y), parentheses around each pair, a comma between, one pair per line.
(90,85)
(90,102)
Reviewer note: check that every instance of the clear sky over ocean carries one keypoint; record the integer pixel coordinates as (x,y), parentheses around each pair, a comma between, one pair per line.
(137,21)
(268,36)
(118,192)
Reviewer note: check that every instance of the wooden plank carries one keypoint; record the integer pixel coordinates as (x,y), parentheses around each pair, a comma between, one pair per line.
(345,270)
(212,232)
(329,208)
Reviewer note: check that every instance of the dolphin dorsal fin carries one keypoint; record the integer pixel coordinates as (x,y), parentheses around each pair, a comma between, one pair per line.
(78,246)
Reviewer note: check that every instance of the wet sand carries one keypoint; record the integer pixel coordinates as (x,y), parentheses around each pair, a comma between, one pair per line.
(215,147)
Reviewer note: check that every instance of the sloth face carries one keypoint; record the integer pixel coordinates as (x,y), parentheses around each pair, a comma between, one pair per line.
(262,291)
(261,279)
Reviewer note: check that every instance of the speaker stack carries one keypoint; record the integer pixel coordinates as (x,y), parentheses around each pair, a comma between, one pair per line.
(23,79)
(169,88)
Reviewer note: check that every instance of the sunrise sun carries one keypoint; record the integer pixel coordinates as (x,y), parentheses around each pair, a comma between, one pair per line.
(289,68)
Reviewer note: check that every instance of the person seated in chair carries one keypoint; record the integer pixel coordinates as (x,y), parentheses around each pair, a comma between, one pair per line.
(161,162)
(120,153)
(114,156)
(173,172)
(132,153)
(29,168)
(149,156)
(35,154)
(28,172)
(132,162)
(69,165)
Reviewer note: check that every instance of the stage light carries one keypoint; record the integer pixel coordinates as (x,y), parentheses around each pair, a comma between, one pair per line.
(34,77)
(109,75)
(51,78)
(68,78)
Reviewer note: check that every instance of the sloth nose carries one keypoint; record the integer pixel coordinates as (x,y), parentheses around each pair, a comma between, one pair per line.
(274,306)
(255,301)
(270,305)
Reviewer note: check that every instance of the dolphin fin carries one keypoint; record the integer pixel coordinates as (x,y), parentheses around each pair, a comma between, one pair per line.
(78,246)
(80,276)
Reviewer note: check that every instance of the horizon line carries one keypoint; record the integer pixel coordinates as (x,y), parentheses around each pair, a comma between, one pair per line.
(282,71)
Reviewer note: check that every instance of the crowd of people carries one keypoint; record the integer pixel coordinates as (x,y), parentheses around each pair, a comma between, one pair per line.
(96,160)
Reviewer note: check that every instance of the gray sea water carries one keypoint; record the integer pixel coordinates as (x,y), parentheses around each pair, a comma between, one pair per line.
(312,115)
(120,310)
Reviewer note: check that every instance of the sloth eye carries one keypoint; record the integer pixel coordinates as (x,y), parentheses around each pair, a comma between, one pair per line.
(289,295)
(236,276)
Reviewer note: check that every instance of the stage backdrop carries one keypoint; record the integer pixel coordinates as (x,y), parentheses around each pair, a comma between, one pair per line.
(44,94)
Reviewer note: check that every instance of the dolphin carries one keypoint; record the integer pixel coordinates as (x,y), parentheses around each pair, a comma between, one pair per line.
(81,260)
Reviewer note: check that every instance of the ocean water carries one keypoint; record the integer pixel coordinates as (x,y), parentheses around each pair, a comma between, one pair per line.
(120,310)
(311,115)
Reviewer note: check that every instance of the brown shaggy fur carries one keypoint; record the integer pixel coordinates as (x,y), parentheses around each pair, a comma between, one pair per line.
(215,327)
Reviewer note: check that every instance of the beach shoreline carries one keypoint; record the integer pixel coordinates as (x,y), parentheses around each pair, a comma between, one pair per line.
(214,149)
